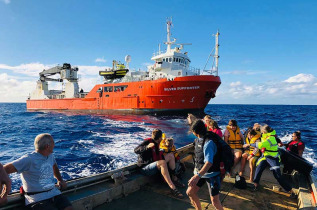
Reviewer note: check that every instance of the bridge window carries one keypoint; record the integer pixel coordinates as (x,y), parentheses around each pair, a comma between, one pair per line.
(120,88)
(174,59)
(108,89)
(170,60)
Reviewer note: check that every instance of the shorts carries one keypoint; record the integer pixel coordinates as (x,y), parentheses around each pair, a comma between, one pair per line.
(150,169)
(57,202)
(237,150)
(213,184)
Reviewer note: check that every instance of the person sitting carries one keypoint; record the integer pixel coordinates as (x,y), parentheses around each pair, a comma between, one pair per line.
(38,170)
(296,145)
(251,153)
(171,157)
(151,160)
(207,120)
(213,127)
(5,185)
(270,157)
(234,138)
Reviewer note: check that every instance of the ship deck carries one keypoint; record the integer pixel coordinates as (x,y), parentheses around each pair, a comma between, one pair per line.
(157,196)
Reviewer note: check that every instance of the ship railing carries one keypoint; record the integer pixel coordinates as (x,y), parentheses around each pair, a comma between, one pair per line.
(193,71)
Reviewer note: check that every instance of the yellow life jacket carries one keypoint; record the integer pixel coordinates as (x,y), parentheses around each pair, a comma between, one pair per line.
(252,141)
(235,141)
(165,149)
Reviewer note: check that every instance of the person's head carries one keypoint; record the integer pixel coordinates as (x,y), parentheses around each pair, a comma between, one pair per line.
(252,133)
(198,128)
(207,119)
(266,129)
(157,135)
(169,142)
(296,136)
(44,143)
(233,125)
(257,126)
(213,124)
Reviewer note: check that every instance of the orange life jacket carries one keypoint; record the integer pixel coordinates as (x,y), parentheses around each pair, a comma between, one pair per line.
(235,141)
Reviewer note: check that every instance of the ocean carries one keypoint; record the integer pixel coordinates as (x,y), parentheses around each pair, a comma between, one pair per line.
(87,144)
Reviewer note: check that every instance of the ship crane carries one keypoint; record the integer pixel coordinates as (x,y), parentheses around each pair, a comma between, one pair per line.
(65,71)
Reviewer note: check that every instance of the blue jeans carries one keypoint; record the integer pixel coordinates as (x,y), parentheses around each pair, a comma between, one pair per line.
(150,169)
(274,164)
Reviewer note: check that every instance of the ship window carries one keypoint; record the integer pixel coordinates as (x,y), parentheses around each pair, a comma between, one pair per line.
(170,60)
(177,59)
(120,88)
(174,59)
(108,89)
(179,73)
(99,90)
(107,96)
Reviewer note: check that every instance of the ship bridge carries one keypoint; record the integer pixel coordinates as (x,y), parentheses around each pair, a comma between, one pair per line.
(173,63)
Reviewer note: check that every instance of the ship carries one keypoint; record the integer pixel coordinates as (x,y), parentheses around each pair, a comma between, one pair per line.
(127,188)
(169,84)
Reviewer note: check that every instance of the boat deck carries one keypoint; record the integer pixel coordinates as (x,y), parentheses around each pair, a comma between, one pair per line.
(157,196)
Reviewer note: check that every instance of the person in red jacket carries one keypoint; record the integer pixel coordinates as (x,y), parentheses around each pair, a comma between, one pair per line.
(296,145)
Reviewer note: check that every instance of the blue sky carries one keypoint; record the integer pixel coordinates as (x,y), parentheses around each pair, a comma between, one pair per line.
(268,49)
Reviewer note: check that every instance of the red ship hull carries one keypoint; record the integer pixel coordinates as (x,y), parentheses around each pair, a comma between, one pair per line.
(183,93)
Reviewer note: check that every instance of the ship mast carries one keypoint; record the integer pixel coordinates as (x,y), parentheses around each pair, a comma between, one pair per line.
(169,42)
(216,55)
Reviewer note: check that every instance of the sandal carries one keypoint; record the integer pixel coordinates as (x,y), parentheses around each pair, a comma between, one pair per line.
(177,183)
(177,194)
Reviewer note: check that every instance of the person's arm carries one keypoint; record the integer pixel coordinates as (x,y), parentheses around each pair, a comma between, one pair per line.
(193,181)
(9,168)
(226,136)
(301,148)
(210,150)
(5,185)
(145,145)
(60,182)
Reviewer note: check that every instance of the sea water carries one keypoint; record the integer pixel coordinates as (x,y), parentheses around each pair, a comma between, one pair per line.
(87,144)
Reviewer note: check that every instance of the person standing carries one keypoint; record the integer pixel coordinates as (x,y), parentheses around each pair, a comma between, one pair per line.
(270,157)
(38,170)
(207,166)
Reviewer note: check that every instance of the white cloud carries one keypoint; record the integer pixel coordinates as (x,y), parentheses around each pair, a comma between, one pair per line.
(301,91)
(30,69)
(301,78)
(91,70)
(12,90)
(6,1)
(100,60)
(33,69)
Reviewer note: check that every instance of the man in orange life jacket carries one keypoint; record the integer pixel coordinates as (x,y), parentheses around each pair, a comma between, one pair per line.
(151,160)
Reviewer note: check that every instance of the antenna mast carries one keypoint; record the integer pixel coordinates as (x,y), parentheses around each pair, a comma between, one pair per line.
(216,55)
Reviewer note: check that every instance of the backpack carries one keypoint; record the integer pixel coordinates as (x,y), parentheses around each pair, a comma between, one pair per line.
(226,156)
(179,169)
(240,182)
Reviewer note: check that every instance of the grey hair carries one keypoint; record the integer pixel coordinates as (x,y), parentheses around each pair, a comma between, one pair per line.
(266,129)
(43,140)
